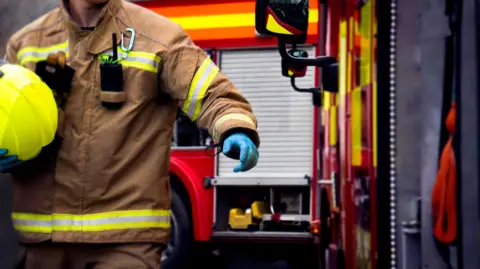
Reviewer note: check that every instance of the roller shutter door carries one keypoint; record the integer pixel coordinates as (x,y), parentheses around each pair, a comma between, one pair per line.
(285,116)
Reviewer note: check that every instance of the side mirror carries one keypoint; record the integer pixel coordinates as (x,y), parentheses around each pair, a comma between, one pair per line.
(283,19)
(290,69)
(288,22)
(330,78)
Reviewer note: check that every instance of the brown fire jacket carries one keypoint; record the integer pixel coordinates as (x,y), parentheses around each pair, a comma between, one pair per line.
(107,180)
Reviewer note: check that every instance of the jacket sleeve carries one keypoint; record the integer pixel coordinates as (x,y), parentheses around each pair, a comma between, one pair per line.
(203,92)
(11,54)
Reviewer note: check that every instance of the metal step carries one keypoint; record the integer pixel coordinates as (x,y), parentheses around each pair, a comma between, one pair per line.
(261,181)
(301,237)
(288,217)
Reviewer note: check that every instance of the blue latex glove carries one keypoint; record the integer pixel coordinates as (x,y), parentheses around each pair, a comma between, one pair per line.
(240,145)
(7,162)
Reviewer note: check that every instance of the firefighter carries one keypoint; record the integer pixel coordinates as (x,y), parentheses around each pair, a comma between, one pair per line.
(99,196)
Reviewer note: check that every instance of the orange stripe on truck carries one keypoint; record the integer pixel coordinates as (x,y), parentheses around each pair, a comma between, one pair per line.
(231,33)
(209,9)
(205,9)
(221,20)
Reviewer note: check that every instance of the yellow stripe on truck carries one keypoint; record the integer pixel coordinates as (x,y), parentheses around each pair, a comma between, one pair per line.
(333,126)
(356,117)
(206,22)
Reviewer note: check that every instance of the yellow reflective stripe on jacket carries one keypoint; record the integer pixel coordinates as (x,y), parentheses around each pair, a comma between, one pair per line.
(136,59)
(200,83)
(37,54)
(115,220)
(227,117)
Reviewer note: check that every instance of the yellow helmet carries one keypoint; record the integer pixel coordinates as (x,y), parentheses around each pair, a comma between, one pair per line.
(28,112)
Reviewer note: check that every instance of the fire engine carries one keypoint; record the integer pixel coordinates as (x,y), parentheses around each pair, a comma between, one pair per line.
(427,214)
(326,177)
(277,200)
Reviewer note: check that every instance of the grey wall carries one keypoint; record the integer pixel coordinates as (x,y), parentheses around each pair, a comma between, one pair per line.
(422,28)
(434,25)
(14,14)
(409,119)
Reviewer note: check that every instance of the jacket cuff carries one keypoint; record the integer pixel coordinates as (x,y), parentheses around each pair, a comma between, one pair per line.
(235,123)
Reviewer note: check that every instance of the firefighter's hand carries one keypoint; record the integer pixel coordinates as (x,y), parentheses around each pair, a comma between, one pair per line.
(7,162)
(240,145)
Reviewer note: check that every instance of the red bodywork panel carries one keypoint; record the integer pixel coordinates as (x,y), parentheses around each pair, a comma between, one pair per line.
(227,37)
(191,166)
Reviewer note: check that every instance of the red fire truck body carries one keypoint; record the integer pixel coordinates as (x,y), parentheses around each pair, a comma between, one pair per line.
(191,167)
(318,167)
(306,152)
(277,200)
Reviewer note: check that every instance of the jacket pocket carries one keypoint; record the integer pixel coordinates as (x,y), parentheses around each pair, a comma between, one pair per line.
(140,86)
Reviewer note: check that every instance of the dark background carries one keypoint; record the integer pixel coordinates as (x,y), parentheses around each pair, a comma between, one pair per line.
(8,245)
(14,14)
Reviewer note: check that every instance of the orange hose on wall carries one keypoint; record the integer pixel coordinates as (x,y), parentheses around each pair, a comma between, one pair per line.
(444,196)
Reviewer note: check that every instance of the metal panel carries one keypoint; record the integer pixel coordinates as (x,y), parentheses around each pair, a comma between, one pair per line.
(434,29)
(285,117)
(467,156)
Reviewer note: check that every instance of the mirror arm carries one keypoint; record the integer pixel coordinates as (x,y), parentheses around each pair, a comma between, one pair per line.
(311,90)
(318,62)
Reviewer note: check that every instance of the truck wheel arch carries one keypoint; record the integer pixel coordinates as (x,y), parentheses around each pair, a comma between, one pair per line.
(181,174)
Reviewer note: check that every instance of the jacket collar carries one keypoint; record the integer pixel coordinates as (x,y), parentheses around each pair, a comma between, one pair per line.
(101,38)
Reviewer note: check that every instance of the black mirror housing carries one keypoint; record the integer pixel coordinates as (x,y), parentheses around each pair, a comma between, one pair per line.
(330,78)
(283,19)
(288,22)
(317,98)
(290,69)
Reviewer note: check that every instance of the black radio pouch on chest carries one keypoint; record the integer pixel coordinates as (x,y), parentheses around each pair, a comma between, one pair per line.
(111,82)
(111,79)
